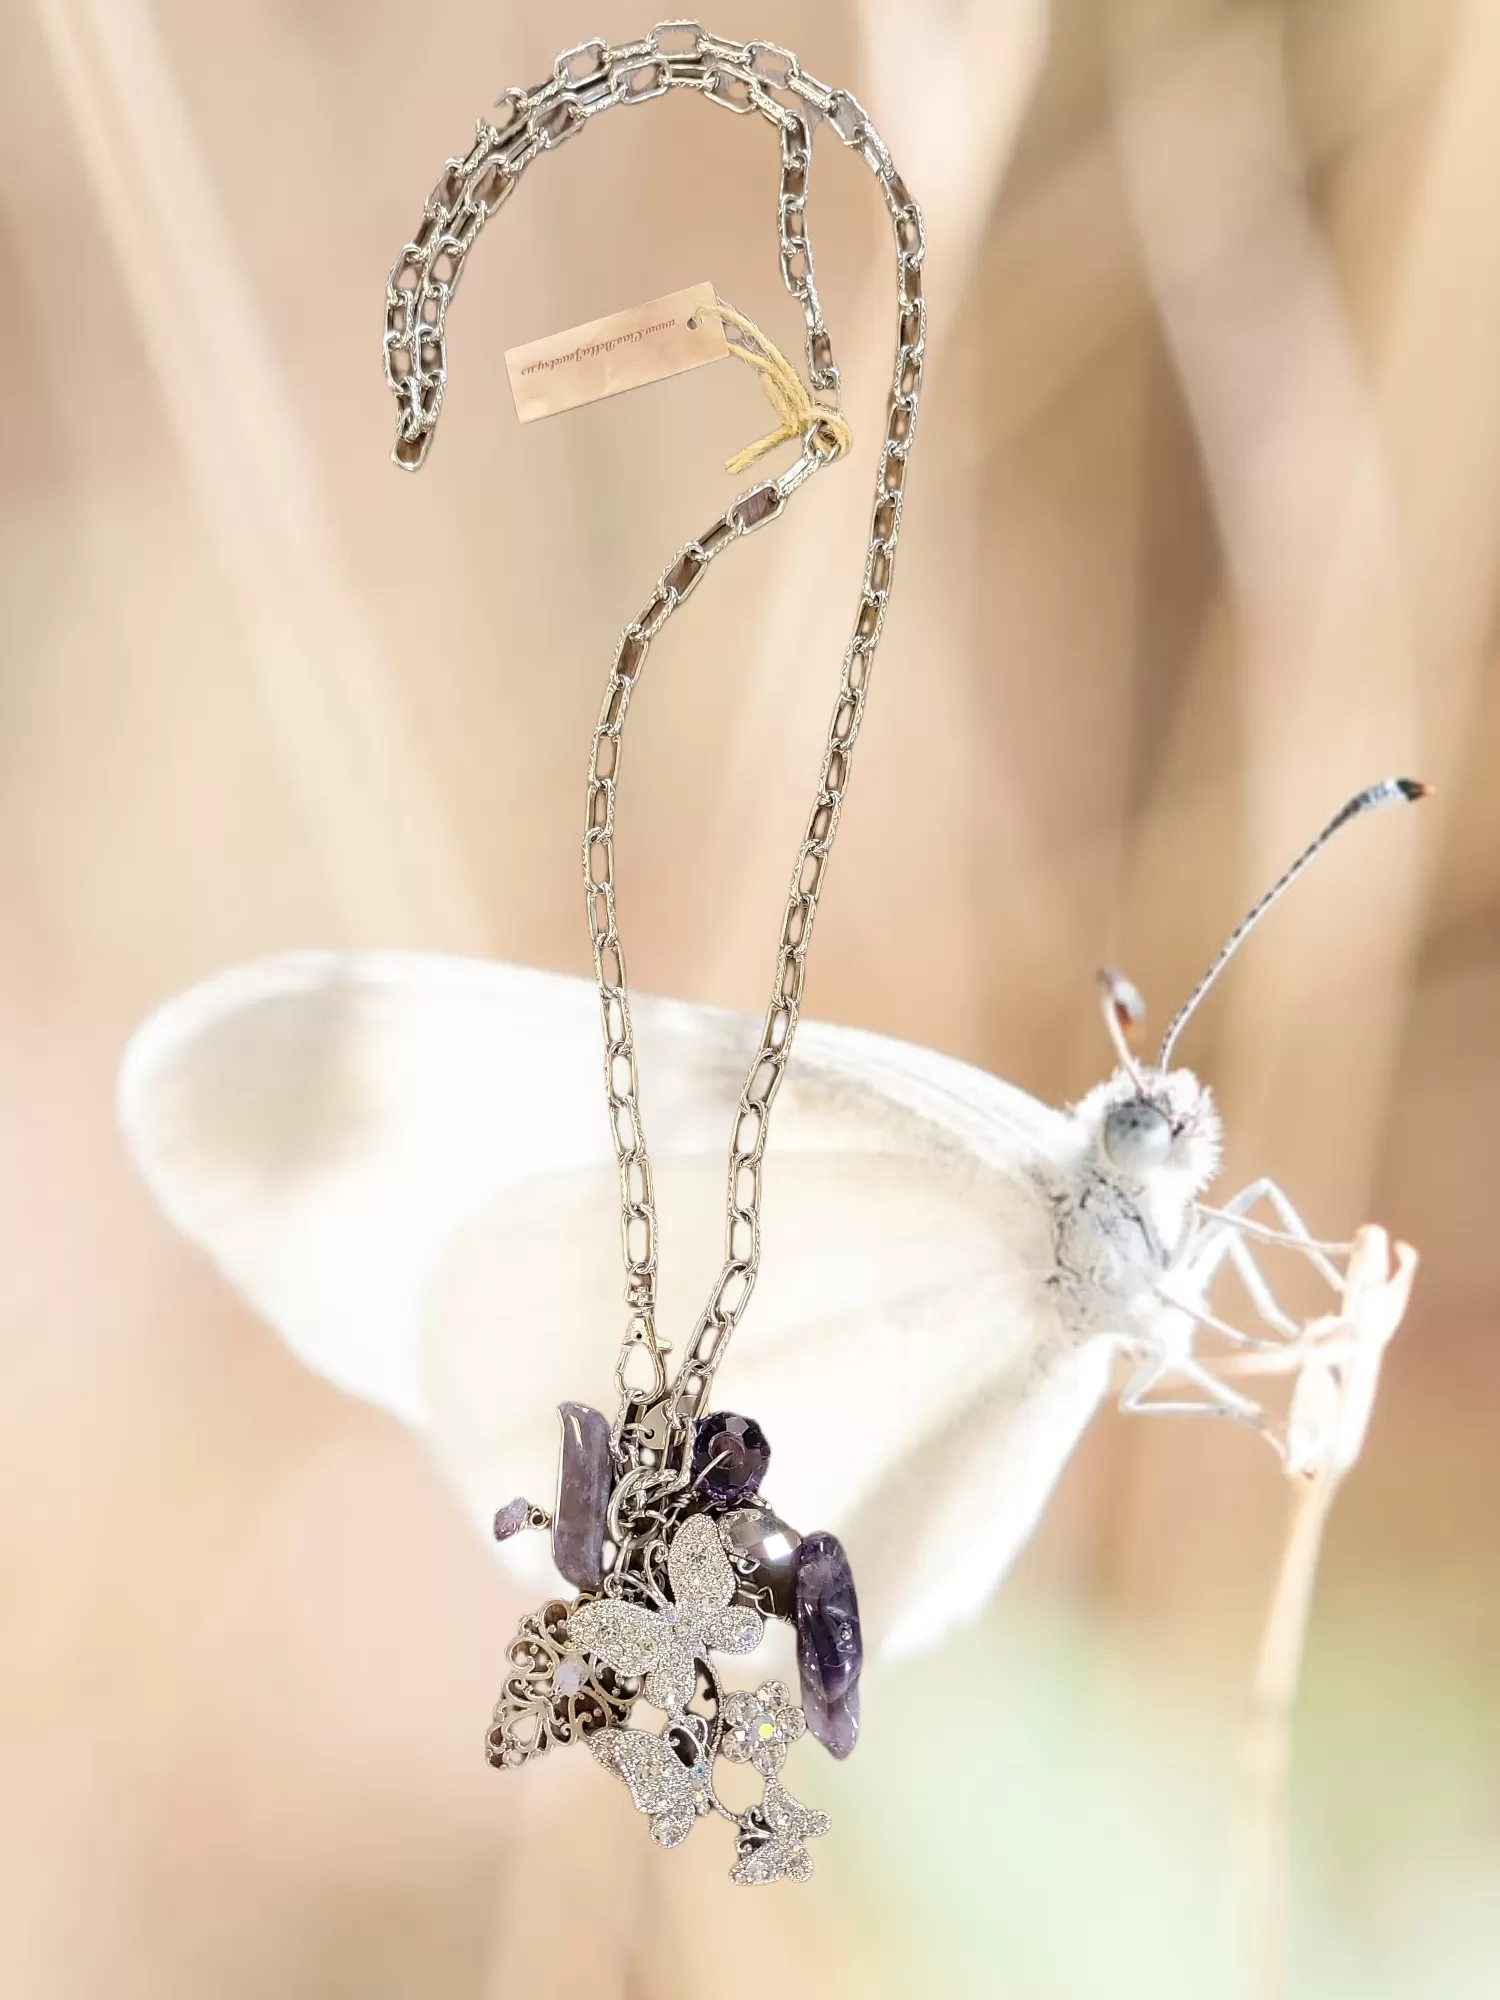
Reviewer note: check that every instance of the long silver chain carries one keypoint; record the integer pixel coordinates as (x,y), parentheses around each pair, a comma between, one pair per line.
(740,77)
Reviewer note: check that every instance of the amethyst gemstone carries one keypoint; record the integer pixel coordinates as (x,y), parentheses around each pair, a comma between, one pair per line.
(730,1457)
(829,1652)
(512,1518)
(584,1477)
(834,1723)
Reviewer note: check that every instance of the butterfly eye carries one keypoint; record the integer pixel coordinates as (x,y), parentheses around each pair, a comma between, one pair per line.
(1136,1135)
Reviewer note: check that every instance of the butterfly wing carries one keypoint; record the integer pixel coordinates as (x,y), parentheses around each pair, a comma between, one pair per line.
(700,1573)
(789,1818)
(782,1857)
(673,1681)
(672,1826)
(627,1637)
(772,1861)
(951,1517)
(659,1782)
(404,1163)
(321,1124)
(735,1631)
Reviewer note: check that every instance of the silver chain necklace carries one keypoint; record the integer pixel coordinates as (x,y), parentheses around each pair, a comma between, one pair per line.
(659,1522)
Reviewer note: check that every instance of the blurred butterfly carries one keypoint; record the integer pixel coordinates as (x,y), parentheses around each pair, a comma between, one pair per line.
(404,1162)
(780,1856)
(674,1793)
(664,1645)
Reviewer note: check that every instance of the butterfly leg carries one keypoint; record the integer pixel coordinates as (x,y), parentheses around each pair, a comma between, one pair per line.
(1222,1236)
(1201,1316)
(1219,1399)
(1293,1234)
(1212,1249)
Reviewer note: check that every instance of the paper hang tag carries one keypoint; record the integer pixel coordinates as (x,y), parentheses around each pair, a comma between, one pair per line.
(646,343)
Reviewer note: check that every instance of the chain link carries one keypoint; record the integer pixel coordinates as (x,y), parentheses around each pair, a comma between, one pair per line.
(743,78)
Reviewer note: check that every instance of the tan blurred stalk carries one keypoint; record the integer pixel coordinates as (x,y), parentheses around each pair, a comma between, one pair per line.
(1265,1856)
(375,821)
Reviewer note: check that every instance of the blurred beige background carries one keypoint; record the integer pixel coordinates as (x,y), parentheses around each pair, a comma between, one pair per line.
(1202,533)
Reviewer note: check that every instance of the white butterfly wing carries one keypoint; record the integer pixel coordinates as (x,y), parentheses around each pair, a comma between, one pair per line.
(320,1124)
(404,1163)
(954,1512)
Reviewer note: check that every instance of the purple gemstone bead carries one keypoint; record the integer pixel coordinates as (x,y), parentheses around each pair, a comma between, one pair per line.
(730,1457)
(829,1651)
(512,1518)
(584,1476)
(766,1540)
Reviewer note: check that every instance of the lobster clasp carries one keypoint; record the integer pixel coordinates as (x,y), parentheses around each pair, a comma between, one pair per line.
(641,1371)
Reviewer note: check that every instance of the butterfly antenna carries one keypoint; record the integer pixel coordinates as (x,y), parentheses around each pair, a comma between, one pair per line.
(1123,1009)
(1389,792)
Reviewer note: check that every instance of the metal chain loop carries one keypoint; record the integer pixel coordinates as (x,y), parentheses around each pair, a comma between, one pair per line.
(739,77)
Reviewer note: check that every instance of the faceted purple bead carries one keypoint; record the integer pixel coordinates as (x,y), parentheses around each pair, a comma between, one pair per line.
(829,1652)
(584,1476)
(764,1539)
(512,1518)
(730,1457)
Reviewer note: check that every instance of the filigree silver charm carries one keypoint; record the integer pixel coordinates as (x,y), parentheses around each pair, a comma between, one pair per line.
(552,1696)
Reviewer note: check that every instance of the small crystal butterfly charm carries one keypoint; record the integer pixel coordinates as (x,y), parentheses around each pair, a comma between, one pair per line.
(771,1848)
(675,1794)
(663,1646)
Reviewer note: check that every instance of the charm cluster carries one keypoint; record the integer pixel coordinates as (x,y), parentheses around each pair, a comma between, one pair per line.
(675,1572)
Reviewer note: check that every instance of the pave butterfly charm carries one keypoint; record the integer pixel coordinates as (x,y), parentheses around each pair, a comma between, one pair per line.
(665,1645)
(668,1782)
(771,1848)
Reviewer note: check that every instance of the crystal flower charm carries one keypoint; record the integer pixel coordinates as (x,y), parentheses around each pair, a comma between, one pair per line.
(758,1727)
(664,1646)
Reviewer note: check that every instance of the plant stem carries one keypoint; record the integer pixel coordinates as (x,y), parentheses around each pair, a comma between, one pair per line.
(1265,1750)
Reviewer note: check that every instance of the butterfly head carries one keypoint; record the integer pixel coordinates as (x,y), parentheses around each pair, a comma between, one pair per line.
(1152,1124)
(1158,1124)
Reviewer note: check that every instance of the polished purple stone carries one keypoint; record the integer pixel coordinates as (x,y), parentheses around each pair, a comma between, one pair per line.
(585,1473)
(730,1457)
(512,1518)
(829,1652)
(834,1723)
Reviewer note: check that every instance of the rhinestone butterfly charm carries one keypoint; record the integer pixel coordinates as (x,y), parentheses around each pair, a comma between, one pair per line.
(662,1647)
(771,1848)
(674,1793)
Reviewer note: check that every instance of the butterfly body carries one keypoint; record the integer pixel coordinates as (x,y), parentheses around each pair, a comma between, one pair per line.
(1119,1226)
